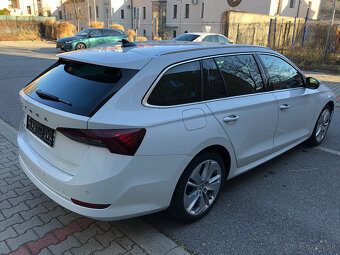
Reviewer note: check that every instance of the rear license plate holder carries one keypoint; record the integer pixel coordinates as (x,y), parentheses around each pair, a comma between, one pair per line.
(44,133)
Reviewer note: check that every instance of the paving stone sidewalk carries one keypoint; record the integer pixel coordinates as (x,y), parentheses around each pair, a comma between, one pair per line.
(31,223)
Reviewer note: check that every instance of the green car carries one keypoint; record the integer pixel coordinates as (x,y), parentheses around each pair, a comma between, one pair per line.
(89,38)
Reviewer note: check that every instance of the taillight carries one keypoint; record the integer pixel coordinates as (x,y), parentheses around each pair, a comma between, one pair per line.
(119,141)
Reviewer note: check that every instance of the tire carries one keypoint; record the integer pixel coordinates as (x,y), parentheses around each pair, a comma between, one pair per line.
(80,46)
(194,198)
(321,127)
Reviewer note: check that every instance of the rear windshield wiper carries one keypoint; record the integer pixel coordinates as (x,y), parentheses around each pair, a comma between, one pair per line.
(48,96)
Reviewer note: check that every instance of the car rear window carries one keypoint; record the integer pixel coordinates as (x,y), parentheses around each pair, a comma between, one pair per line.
(81,88)
(186,37)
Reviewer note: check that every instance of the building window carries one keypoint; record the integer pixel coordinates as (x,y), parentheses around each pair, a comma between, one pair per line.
(292,4)
(186,11)
(122,14)
(144,32)
(144,13)
(60,15)
(97,11)
(202,11)
(174,34)
(13,4)
(107,13)
(175,11)
(29,11)
(90,12)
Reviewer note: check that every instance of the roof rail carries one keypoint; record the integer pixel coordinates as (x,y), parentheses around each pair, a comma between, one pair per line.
(212,48)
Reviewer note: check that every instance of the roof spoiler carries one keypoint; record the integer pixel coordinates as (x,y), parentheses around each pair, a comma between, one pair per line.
(126,43)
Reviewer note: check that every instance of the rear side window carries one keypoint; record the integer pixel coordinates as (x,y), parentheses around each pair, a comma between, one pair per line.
(210,38)
(214,84)
(108,32)
(82,88)
(179,85)
(241,74)
(281,74)
(222,39)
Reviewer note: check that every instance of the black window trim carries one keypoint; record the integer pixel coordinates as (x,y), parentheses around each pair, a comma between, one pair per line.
(257,59)
(206,89)
(265,71)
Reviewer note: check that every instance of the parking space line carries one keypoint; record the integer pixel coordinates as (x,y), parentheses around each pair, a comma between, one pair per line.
(328,150)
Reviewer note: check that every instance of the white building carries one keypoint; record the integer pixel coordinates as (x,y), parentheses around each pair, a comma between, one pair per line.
(31,7)
(199,15)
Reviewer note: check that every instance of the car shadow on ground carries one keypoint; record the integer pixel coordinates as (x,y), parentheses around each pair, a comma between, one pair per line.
(262,171)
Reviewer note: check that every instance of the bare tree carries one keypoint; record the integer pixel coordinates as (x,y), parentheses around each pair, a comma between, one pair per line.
(75,8)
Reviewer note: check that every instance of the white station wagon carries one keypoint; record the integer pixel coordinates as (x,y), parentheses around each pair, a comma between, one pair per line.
(120,131)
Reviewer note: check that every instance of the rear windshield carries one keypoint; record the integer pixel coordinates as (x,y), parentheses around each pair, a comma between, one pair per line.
(186,37)
(78,88)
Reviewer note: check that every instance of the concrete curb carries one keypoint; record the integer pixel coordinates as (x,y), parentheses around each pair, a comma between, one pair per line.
(142,233)
(8,132)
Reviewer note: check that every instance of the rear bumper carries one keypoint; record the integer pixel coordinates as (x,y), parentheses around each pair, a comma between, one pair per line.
(134,186)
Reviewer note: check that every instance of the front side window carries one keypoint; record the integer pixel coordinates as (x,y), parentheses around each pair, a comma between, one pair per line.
(214,85)
(281,74)
(96,33)
(240,74)
(179,85)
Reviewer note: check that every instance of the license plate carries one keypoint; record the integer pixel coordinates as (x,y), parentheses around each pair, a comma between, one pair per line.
(43,132)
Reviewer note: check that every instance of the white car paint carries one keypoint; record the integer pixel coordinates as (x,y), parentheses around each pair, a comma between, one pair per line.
(203,35)
(144,183)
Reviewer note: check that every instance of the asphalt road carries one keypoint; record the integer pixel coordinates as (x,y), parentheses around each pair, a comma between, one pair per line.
(290,205)
(20,62)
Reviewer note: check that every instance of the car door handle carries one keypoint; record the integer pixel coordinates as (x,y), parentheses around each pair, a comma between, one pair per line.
(230,118)
(284,107)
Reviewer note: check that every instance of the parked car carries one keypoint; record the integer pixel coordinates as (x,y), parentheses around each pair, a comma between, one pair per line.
(120,131)
(203,37)
(89,38)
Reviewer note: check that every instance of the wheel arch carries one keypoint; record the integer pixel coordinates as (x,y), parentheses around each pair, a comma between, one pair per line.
(331,105)
(223,152)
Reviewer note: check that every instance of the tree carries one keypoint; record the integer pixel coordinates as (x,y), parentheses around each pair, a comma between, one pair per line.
(75,8)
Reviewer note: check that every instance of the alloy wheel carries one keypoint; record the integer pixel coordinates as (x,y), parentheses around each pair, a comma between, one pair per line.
(202,187)
(322,125)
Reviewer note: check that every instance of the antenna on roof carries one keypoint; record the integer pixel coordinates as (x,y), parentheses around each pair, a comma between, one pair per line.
(126,43)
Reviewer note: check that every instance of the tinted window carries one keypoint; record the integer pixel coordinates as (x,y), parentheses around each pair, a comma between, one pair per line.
(241,74)
(214,82)
(107,32)
(96,33)
(281,74)
(210,38)
(222,39)
(83,32)
(179,85)
(86,87)
(186,37)
(111,32)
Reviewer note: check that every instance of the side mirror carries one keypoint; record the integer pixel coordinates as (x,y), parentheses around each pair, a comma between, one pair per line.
(312,83)
(90,36)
